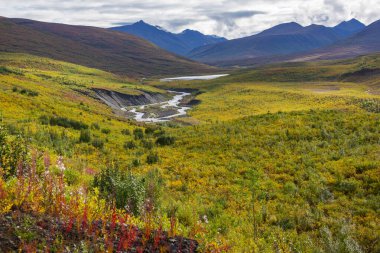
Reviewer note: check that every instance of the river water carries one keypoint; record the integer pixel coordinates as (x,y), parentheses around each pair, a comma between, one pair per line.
(174,103)
(189,78)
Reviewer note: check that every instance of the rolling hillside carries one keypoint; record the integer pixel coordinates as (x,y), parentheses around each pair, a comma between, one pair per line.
(180,44)
(283,39)
(281,154)
(104,49)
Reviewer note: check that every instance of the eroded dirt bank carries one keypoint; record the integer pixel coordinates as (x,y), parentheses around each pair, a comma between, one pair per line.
(118,100)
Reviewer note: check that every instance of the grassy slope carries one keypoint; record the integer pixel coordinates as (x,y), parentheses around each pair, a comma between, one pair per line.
(286,87)
(338,70)
(282,165)
(62,89)
(295,175)
(318,139)
(104,49)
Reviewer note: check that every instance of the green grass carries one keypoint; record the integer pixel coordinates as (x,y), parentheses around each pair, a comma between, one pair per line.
(72,99)
(282,165)
(290,164)
(67,74)
(338,70)
(286,87)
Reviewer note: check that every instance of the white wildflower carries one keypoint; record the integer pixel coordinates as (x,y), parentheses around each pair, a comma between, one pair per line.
(60,164)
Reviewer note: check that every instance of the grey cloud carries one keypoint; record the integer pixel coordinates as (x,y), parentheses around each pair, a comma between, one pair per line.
(74,6)
(336,5)
(182,22)
(108,8)
(138,5)
(223,17)
(320,18)
(235,15)
(42,7)
(226,21)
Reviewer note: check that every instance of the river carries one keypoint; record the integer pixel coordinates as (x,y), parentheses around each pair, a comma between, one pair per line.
(189,78)
(173,105)
(168,109)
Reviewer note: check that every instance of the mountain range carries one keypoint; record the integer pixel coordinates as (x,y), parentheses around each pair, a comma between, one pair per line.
(280,40)
(119,51)
(105,49)
(181,43)
(366,41)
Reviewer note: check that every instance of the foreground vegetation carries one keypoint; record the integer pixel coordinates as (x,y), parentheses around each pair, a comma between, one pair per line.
(41,211)
(280,166)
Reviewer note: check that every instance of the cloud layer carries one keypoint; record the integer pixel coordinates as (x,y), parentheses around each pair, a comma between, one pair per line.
(227,18)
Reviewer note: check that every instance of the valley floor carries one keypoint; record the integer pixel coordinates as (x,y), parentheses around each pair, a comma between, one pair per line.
(280,159)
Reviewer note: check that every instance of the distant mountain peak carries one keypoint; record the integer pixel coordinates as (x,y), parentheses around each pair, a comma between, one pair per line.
(289,24)
(282,28)
(354,20)
(352,25)
(292,24)
(283,39)
(180,43)
(140,22)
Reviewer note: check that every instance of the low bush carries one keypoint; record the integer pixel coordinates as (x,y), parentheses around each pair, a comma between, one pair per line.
(150,130)
(136,162)
(130,145)
(126,132)
(12,151)
(98,143)
(85,136)
(29,93)
(165,140)
(147,144)
(63,122)
(106,131)
(126,191)
(26,92)
(138,133)
(152,158)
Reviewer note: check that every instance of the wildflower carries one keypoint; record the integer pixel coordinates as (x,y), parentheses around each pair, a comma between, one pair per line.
(90,171)
(81,191)
(60,164)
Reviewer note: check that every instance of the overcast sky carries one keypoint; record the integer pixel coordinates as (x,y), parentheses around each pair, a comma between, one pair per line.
(228,18)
